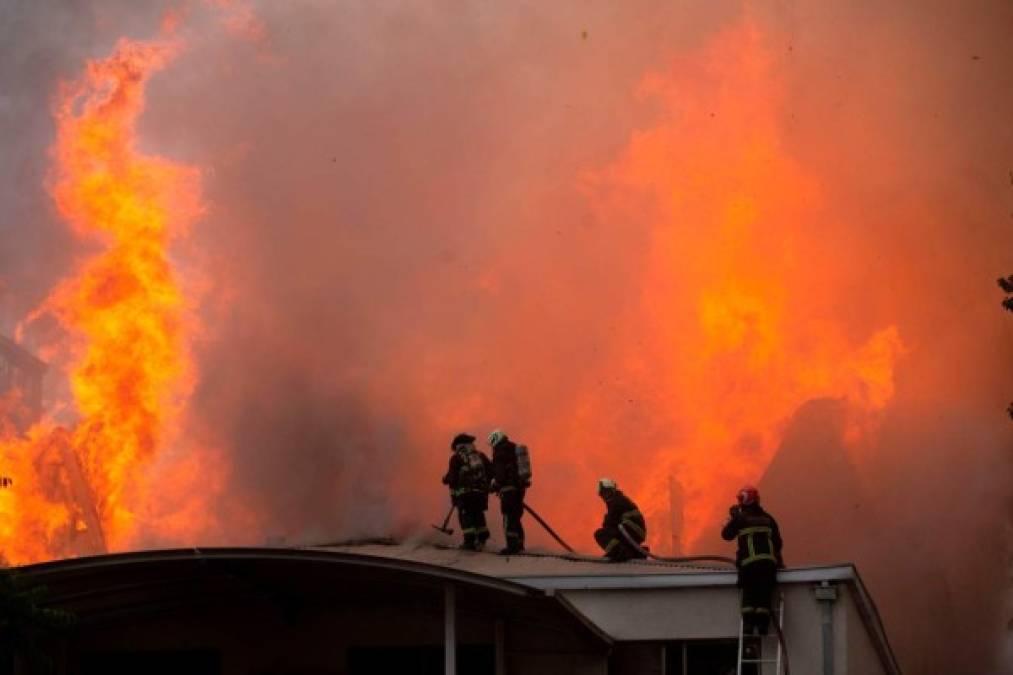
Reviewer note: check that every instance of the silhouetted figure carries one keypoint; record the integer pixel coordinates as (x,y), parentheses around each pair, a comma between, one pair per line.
(758,557)
(1006,284)
(621,511)
(510,481)
(468,479)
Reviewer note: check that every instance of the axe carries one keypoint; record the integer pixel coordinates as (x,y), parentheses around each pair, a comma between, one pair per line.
(446,521)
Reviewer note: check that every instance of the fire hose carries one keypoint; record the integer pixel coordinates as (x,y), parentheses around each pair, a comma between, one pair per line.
(681,559)
(629,540)
(547,528)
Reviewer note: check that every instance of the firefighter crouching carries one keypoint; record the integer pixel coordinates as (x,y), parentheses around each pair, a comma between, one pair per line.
(758,557)
(621,511)
(468,479)
(510,483)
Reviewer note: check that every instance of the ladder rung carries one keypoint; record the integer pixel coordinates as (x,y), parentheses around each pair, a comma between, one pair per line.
(758,640)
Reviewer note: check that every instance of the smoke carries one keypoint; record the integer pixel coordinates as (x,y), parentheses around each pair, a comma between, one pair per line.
(647,240)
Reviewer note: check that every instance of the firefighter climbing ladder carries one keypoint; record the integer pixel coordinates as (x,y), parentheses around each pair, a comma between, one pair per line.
(757,665)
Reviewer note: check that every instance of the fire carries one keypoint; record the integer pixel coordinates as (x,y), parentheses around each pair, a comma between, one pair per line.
(735,328)
(80,489)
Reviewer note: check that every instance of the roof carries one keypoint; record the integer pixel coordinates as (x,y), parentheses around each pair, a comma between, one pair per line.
(119,563)
(550,572)
(118,589)
(526,567)
(546,570)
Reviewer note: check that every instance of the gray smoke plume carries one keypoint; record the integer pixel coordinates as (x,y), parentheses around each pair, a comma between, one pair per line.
(399,246)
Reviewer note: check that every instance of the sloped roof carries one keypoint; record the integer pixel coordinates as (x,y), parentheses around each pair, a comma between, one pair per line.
(548,570)
(532,564)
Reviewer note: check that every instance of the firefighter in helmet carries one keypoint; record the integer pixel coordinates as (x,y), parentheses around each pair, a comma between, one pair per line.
(510,485)
(468,480)
(1006,284)
(621,513)
(758,557)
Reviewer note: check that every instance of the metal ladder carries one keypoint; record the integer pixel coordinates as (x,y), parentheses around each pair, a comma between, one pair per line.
(761,640)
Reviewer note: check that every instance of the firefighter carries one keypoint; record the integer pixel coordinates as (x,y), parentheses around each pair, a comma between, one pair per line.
(510,485)
(1006,284)
(468,479)
(620,511)
(758,557)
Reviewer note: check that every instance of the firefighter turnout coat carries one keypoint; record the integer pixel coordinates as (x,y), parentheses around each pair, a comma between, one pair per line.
(469,472)
(758,536)
(621,511)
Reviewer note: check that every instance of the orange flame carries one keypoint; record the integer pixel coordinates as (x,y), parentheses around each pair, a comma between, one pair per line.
(732,335)
(130,372)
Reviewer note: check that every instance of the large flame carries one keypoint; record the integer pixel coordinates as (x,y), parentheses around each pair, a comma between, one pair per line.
(732,307)
(733,330)
(736,327)
(80,489)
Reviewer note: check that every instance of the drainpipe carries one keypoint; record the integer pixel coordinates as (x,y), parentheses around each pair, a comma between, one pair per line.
(826,595)
(449,631)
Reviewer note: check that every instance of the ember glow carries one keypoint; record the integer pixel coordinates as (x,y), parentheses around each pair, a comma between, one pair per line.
(127,319)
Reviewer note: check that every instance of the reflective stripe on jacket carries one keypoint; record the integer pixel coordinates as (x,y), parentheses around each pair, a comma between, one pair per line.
(622,510)
(757,535)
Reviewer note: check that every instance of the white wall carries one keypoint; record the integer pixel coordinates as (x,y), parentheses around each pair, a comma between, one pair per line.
(713,612)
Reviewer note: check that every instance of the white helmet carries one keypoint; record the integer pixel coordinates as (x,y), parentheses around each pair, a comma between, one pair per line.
(606,484)
(495,437)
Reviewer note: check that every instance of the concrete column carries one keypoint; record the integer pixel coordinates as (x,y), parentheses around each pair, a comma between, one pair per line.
(449,631)
(499,640)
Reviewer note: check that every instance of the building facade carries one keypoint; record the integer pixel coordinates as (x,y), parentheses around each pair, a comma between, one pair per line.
(380,608)
(21,372)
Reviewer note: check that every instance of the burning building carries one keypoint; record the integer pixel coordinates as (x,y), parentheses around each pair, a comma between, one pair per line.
(21,375)
(381,607)
(656,240)
(56,469)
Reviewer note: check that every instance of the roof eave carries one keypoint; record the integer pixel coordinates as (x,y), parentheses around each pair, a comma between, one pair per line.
(40,571)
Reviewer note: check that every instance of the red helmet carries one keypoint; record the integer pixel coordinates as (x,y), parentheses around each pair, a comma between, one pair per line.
(748,495)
